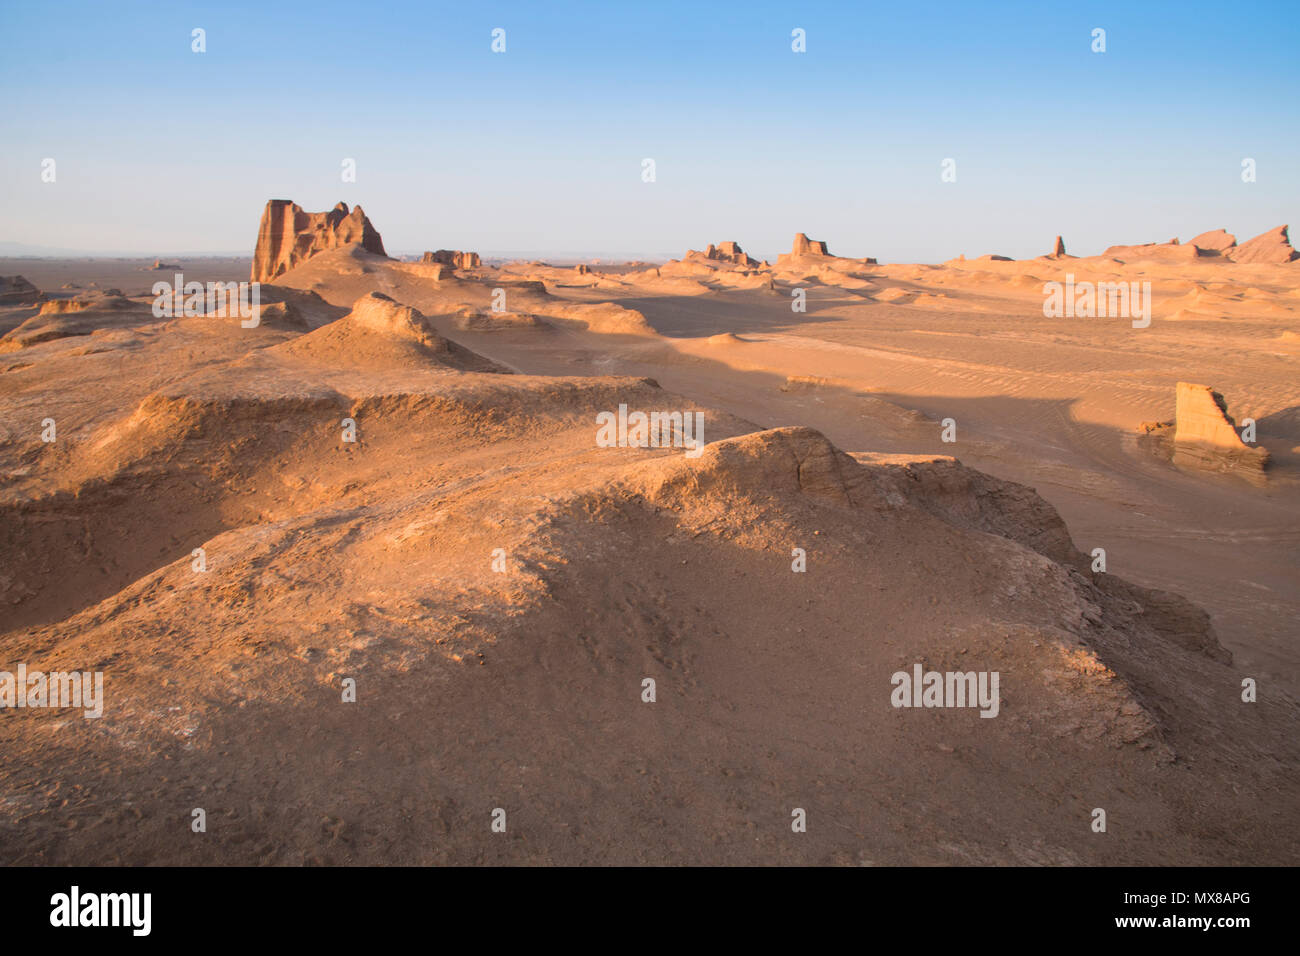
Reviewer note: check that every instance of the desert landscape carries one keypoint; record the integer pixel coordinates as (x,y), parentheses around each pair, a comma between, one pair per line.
(595,444)
(364,580)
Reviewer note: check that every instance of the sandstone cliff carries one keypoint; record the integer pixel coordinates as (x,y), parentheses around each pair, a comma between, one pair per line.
(288,236)
(453,258)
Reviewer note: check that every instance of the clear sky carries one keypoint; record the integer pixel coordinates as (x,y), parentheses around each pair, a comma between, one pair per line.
(539,149)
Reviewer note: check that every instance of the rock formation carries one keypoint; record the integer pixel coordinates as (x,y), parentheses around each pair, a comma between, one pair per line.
(106,301)
(288,236)
(1203,434)
(453,258)
(723,252)
(87,313)
(1272,247)
(437,271)
(1216,240)
(281,315)
(1154,250)
(1059,249)
(377,333)
(731,252)
(805,249)
(15,290)
(803,246)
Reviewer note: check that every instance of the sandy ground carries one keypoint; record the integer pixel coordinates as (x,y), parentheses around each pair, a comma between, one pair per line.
(521,689)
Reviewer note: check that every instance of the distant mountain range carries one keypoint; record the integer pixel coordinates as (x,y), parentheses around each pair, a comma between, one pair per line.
(18,250)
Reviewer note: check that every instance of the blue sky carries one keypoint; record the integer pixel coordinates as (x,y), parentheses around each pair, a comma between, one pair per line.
(539,149)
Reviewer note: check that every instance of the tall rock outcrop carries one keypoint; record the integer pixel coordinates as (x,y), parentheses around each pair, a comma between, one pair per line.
(1205,435)
(731,252)
(803,246)
(1058,250)
(288,236)
(1272,247)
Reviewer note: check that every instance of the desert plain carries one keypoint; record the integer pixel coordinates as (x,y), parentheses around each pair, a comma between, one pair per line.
(902,464)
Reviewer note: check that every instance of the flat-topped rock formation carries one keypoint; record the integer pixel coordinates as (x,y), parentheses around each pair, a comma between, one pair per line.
(1272,248)
(452,257)
(803,246)
(288,236)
